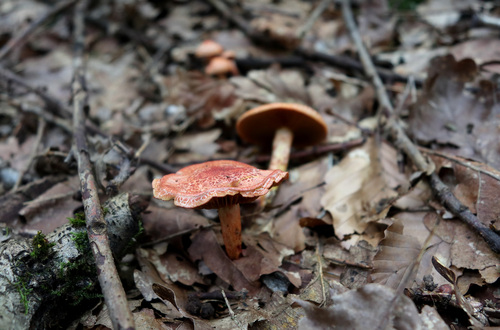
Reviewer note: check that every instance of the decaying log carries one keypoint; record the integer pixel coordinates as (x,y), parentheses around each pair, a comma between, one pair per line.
(47,279)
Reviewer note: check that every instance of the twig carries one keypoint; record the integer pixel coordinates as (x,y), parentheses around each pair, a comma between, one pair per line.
(114,294)
(316,150)
(315,14)
(24,35)
(402,141)
(231,313)
(462,162)
(320,273)
(36,144)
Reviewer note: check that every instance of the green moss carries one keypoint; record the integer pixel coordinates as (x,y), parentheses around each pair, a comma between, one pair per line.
(81,241)
(79,276)
(41,247)
(24,291)
(78,221)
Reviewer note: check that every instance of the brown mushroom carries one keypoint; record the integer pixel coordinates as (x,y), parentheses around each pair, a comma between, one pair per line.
(221,66)
(222,185)
(208,49)
(284,124)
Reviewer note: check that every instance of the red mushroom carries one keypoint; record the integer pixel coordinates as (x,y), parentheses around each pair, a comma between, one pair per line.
(221,66)
(285,124)
(208,49)
(222,185)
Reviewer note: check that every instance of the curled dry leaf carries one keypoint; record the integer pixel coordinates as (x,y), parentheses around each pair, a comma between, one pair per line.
(361,186)
(450,276)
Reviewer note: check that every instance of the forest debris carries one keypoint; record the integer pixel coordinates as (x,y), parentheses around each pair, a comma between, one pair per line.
(365,308)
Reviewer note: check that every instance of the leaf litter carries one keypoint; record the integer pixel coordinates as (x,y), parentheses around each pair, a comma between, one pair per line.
(342,221)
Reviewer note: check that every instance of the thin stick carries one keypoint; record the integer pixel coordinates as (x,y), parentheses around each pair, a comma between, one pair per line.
(114,294)
(462,162)
(315,14)
(231,313)
(320,273)
(25,34)
(402,141)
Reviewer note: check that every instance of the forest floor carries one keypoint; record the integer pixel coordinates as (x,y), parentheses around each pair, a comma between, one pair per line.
(390,221)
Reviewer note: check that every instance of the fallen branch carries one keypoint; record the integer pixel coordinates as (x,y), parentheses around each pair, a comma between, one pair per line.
(403,142)
(114,294)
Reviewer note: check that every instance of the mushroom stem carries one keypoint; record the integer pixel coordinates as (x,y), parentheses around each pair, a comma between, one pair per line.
(282,144)
(230,221)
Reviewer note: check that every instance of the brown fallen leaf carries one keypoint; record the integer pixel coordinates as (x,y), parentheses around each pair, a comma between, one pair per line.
(161,223)
(396,257)
(305,183)
(52,208)
(475,318)
(205,247)
(373,306)
(449,113)
(361,186)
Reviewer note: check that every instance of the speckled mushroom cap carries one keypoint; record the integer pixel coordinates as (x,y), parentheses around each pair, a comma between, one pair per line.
(216,184)
(258,125)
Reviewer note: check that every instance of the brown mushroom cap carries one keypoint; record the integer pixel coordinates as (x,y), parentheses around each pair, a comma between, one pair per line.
(208,48)
(216,184)
(258,125)
(221,66)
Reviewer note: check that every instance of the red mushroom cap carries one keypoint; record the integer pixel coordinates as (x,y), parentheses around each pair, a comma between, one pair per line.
(208,48)
(221,66)
(258,125)
(216,184)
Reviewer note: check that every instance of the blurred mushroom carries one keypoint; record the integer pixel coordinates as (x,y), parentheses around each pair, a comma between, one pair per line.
(285,124)
(221,66)
(222,185)
(208,49)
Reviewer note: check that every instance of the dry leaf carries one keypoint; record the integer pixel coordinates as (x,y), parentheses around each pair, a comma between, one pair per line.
(449,113)
(365,308)
(360,187)
(395,260)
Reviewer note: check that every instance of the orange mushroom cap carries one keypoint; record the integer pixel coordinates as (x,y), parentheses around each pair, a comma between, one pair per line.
(208,48)
(216,184)
(221,66)
(259,125)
